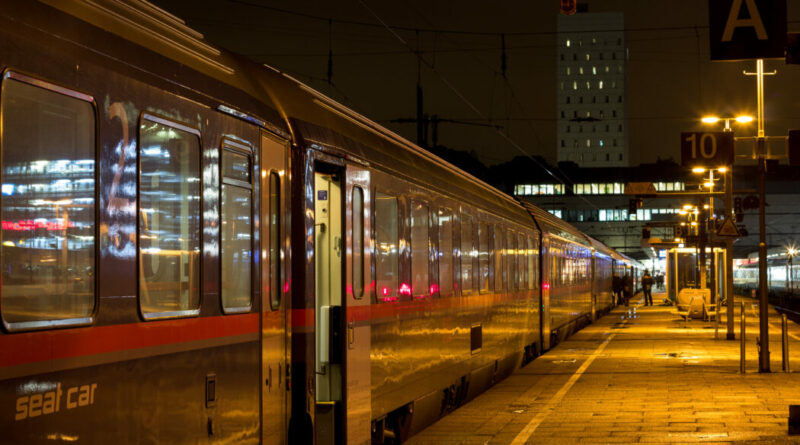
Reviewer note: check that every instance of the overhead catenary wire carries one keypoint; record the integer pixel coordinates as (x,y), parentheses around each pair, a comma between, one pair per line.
(459,31)
(470,105)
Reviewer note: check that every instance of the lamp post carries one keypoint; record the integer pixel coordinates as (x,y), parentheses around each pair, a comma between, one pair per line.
(728,175)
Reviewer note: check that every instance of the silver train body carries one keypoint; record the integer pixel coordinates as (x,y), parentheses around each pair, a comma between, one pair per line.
(197,249)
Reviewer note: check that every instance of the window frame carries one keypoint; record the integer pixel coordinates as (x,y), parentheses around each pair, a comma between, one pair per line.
(362,253)
(463,217)
(374,257)
(275,290)
(88,98)
(240,148)
(160,119)
(441,213)
(428,248)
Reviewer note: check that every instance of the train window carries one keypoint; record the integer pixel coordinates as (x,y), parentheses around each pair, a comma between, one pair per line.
(533,270)
(48,205)
(445,253)
(511,260)
(236,247)
(358,242)
(420,250)
(235,165)
(467,253)
(522,270)
(499,271)
(274,220)
(483,257)
(169,218)
(386,247)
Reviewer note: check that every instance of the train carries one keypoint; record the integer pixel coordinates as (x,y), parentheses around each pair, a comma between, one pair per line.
(200,249)
(783,277)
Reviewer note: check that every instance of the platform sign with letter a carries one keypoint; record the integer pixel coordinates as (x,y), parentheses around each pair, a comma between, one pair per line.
(728,228)
(747,29)
(712,149)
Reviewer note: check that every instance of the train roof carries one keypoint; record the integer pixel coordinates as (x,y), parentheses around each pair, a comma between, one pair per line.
(554,225)
(283,105)
(601,247)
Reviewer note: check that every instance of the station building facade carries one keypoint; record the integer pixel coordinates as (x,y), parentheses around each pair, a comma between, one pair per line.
(593,200)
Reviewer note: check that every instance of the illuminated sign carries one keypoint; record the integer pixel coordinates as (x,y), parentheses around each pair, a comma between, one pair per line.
(711,149)
(747,29)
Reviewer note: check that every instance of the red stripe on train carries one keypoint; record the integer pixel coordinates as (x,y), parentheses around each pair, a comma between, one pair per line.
(29,347)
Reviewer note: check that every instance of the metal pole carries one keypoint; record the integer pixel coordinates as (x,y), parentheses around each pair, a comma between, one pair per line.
(785,342)
(742,340)
(729,254)
(763,352)
(701,243)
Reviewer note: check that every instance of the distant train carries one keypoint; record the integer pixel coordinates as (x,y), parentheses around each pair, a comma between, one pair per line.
(783,275)
(199,249)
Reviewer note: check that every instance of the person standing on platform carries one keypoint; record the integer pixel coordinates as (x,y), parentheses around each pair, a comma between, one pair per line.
(616,288)
(627,288)
(647,288)
(660,281)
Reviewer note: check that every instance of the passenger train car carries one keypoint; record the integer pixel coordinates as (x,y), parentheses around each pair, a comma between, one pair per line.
(199,249)
(783,276)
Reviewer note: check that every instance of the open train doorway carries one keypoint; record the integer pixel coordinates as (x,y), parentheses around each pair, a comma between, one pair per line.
(328,271)
(342,298)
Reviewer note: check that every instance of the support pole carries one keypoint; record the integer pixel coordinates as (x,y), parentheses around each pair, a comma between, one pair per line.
(729,254)
(742,337)
(785,342)
(763,352)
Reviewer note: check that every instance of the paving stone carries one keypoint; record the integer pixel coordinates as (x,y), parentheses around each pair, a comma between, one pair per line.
(655,382)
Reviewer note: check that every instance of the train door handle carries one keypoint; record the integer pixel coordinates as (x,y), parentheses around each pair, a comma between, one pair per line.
(351,334)
(268,381)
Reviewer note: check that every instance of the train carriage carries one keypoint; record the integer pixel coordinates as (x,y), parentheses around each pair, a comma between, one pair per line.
(118,325)
(566,277)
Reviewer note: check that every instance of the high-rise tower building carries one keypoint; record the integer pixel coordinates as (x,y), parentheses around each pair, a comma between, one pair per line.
(592,126)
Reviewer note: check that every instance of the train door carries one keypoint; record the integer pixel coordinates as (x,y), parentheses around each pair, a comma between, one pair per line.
(275,276)
(342,304)
(544,310)
(593,287)
(358,298)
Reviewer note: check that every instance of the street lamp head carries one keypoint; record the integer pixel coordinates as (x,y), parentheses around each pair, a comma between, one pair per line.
(744,119)
(709,119)
(698,170)
(722,169)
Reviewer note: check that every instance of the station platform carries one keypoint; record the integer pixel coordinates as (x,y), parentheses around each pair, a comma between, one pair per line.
(638,375)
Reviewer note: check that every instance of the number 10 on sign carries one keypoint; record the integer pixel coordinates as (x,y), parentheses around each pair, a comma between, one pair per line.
(707,149)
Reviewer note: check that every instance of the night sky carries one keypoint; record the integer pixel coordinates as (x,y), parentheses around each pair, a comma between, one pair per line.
(670,81)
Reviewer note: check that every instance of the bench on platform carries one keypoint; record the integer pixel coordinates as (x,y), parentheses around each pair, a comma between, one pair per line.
(685,309)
